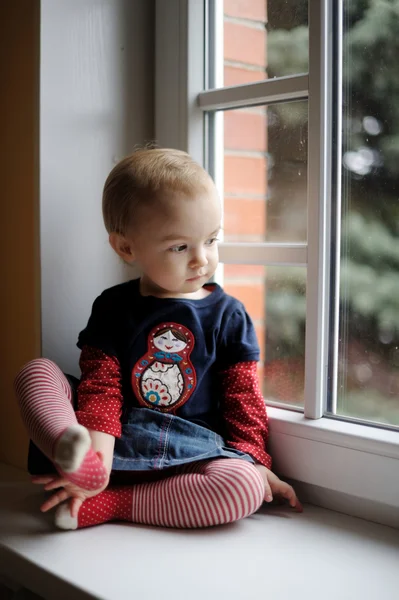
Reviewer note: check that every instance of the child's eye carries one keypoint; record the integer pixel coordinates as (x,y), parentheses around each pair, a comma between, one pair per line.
(178,249)
(211,241)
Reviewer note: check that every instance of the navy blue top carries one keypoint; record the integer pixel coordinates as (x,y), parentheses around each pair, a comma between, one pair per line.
(171,350)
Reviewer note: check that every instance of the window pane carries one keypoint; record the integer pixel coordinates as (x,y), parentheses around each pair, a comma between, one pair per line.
(368,361)
(261,39)
(265,173)
(275,298)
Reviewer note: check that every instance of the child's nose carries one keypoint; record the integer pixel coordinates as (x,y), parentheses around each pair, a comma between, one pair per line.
(200,258)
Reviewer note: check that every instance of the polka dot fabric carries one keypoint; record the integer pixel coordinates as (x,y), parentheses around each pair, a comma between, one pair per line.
(99,392)
(244,411)
(45,399)
(244,408)
(113,504)
(91,475)
(207,493)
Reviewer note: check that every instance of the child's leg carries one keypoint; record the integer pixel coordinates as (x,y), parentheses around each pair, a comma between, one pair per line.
(45,399)
(207,493)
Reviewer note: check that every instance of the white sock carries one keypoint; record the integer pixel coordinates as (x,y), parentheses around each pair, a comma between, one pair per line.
(71,448)
(63,518)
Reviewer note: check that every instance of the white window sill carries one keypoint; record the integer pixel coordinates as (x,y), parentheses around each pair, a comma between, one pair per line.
(357,461)
(272,554)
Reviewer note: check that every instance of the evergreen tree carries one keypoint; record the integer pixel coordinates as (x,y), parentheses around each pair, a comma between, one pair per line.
(370,190)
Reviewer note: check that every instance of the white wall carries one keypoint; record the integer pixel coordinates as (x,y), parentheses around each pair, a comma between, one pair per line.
(96,103)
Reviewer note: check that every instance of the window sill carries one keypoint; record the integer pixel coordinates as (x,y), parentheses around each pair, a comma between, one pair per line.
(341,458)
(124,558)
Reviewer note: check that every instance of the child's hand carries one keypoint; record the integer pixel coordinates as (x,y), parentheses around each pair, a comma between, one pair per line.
(275,488)
(68,490)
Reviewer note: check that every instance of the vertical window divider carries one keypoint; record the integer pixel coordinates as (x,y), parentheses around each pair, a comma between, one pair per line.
(214,120)
(319,198)
(180,75)
(336,208)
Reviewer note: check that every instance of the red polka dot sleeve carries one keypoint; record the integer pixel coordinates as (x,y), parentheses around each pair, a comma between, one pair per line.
(99,392)
(244,411)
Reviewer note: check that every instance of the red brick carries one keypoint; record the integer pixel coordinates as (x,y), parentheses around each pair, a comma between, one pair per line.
(246,9)
(252,296)
(245,130)
(245,174)
(284,379)
(241,75)
(243,271)
(244,217)
(244,44)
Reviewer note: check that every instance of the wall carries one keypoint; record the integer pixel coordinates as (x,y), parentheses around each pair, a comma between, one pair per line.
(96,104)
(19,207)
(95,79)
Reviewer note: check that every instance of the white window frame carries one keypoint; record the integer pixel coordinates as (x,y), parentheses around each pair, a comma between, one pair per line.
(348,466)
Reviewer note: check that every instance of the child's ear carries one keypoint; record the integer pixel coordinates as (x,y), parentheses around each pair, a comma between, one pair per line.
(122,247)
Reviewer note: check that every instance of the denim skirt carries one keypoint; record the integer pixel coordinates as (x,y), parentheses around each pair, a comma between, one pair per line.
(152,441)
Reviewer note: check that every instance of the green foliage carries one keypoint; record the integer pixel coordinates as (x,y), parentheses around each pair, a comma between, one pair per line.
(371,78)
(369,269)
(286,311)
(370,223)
(370,405)
(367,241)
(287,51)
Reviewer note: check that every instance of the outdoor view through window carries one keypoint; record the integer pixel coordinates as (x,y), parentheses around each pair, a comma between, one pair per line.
(368,368)
(265,195)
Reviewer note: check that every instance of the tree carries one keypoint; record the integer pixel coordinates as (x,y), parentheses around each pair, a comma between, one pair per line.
(370,206)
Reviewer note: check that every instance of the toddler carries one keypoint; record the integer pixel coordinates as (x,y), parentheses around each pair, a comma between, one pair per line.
(169,402)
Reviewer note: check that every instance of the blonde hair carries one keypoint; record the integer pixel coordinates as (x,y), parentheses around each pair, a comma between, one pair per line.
(142,177)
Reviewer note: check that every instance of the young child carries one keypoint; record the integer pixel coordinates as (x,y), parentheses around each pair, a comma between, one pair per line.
(169,395)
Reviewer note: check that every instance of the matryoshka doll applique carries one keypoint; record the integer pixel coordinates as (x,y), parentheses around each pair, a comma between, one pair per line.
(164,378)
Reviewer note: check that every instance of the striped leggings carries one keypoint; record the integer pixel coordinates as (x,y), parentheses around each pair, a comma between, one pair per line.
(200,494)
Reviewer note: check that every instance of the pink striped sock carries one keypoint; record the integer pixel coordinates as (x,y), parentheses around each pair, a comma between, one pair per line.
(45,399)
(212,493)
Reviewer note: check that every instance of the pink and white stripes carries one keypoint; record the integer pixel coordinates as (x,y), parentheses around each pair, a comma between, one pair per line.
(207,493)
(45,399)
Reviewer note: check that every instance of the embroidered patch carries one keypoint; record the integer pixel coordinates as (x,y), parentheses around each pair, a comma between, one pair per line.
(164,378)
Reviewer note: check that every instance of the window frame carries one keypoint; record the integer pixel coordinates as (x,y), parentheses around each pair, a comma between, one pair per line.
(350,459)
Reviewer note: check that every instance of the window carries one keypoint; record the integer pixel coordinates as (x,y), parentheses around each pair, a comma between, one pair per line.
(261,131)
(366,345)
(260,92)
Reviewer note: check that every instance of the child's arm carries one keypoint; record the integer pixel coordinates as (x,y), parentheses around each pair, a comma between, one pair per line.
(99,392)
(100,400)
(244,411)
(246,422)
(103,443)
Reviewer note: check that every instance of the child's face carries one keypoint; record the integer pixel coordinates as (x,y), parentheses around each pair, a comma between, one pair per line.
(176,246)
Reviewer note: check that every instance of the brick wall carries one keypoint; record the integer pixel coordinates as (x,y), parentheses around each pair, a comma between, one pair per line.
(245,145)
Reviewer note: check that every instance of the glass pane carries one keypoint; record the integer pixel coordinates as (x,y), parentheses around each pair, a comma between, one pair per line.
(368,361)
(261,39)
(265,173)
(275,299)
